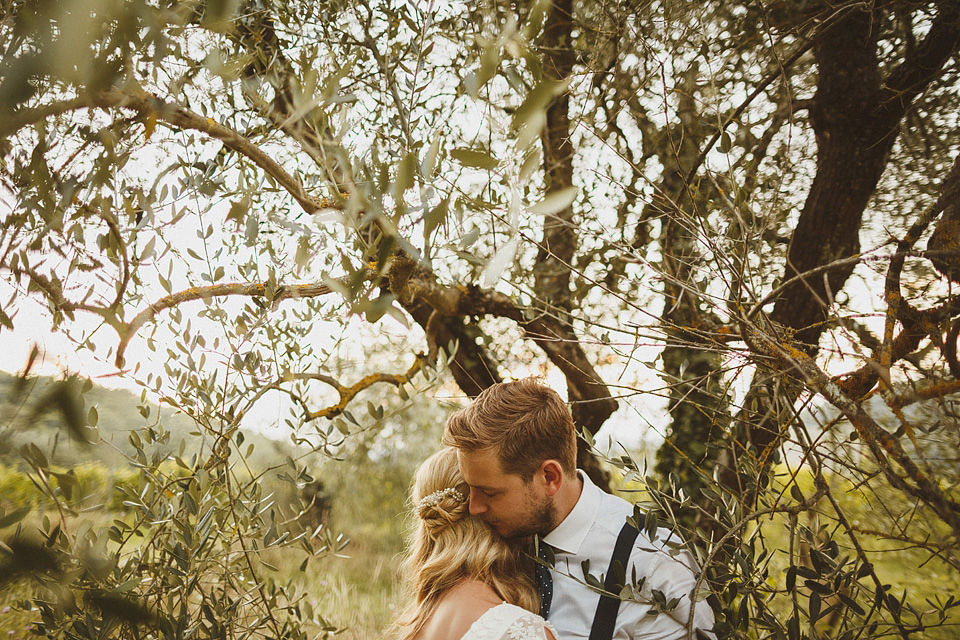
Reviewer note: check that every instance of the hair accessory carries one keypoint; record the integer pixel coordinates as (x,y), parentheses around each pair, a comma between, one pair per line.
(434,498)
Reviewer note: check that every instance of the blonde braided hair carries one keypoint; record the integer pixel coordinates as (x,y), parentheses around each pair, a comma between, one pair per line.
(448,545)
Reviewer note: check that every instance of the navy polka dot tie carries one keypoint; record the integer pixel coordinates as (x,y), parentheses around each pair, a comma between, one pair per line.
(543,576)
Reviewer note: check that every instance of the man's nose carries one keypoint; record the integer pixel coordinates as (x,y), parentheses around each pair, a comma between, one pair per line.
(477,505)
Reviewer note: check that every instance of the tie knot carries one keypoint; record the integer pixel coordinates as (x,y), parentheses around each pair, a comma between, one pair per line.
(544,551)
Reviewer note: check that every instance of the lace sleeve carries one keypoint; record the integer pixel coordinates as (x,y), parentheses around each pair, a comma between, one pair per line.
(507,622)
(528,627)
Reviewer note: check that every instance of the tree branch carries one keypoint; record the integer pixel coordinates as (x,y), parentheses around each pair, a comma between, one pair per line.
(800,365)
(588,393)
(54,293)
(183,118)
(917,324)
(14,120)
(257,35)
(471,367)
(283,292)
(939,389)
(892,293)
(735,116)
(176,116)
(923,63)
(371,44)
(348,393)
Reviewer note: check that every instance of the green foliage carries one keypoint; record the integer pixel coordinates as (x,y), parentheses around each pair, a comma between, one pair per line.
(179,545)
(809,560)
(186,536)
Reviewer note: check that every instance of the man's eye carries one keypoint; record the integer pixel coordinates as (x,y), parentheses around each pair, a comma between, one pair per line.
(490,494)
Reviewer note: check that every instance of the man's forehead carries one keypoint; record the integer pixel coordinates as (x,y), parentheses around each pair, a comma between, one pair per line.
(479,457)
(480,466)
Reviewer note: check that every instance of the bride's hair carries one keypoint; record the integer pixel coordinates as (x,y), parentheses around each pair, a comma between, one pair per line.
(448,545)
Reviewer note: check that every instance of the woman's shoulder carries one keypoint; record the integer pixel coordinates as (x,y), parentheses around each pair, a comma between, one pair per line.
(460,607)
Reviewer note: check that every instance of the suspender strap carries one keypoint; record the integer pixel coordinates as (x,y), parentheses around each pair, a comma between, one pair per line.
(605,619)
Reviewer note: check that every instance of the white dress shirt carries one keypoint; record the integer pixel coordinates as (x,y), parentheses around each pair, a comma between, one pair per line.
(590,532)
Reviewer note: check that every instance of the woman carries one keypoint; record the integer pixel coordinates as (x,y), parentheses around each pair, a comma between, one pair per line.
(467,582)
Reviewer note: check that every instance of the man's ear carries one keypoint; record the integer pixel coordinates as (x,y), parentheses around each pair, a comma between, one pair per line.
(552,474)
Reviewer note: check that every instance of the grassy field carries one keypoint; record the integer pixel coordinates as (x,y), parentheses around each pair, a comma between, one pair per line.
(361,592)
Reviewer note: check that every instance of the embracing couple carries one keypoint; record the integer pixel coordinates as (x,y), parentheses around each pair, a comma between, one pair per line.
(507,491)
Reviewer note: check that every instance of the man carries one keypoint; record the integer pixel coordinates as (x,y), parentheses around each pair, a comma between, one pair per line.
(516,447)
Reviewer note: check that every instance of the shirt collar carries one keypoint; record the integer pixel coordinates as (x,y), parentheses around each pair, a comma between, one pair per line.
(569,535)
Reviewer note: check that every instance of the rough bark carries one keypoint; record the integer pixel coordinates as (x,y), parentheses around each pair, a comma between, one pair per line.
(589,397)
(855,116)
(559,241)
(472,368)
(417,289)
(697,403)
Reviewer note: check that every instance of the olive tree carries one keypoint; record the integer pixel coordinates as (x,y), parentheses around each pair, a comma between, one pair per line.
(707,219)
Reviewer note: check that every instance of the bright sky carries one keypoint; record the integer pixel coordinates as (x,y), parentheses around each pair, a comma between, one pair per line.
(57,354)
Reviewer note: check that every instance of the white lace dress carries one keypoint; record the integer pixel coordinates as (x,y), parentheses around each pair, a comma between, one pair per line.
(508,622)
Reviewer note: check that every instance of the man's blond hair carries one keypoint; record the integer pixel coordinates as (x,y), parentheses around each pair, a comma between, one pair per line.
(524,421)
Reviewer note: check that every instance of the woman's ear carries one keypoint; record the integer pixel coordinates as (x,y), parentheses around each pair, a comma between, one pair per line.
(552,474)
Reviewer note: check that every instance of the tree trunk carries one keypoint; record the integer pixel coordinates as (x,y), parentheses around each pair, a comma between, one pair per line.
(590,399)
(698,404)
(855,116)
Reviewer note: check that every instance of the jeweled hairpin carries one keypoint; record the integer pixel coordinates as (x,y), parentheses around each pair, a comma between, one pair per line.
(434,498)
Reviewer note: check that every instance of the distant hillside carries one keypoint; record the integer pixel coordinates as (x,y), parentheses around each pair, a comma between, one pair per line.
(45,411)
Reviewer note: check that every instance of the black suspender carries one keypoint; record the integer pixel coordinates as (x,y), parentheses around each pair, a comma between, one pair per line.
(606,617)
